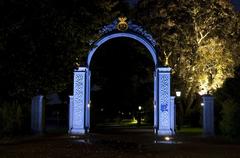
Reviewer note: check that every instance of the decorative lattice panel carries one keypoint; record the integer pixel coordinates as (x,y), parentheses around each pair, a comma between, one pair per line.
(79,98)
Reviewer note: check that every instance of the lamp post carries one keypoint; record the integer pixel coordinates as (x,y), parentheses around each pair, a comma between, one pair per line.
(139,116)
(179,110)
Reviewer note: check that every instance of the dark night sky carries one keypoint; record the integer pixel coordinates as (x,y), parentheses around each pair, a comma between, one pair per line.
(236,3)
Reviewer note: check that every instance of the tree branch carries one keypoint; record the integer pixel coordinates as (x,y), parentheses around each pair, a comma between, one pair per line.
(202,36)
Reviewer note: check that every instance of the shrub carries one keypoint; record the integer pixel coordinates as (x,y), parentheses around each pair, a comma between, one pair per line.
(13,119)
(227,108)
(229,125)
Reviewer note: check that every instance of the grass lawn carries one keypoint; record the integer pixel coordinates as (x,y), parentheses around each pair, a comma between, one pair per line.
(189,130)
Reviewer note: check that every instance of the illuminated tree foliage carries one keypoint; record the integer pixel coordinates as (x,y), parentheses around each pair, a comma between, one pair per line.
(214,61)
(214,64)
(201,36)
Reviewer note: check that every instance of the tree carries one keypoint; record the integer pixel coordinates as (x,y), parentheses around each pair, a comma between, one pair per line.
(195,32)
(189,30)
(40,41)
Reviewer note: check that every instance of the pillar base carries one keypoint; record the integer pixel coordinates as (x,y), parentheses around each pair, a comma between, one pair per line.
(165,132)
(77,131)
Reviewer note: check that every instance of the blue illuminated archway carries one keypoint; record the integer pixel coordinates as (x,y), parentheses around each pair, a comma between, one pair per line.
(79,109)
(131,35)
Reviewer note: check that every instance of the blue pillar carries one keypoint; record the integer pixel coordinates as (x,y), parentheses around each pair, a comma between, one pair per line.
(79,101)
(155,106)
(208,115)
(88,102)
(164,101)
(70,121)
(173,114)
(37,112)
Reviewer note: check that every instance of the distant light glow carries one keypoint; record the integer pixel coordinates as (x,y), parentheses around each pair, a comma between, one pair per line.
(134,121)
(202,104)
(139,108)
(167,138)
(178,93)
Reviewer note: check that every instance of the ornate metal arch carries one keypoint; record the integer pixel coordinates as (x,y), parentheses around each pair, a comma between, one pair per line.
(123,28)
(163,103)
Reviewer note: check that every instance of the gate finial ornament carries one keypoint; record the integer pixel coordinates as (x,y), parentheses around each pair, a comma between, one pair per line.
(167,58)
(122,24)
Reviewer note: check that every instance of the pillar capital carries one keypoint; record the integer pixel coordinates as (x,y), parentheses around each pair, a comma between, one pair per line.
(164,69)
(81,69)
(207,97)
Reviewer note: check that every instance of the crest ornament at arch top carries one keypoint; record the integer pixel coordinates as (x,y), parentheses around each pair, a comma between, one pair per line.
(121,24)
